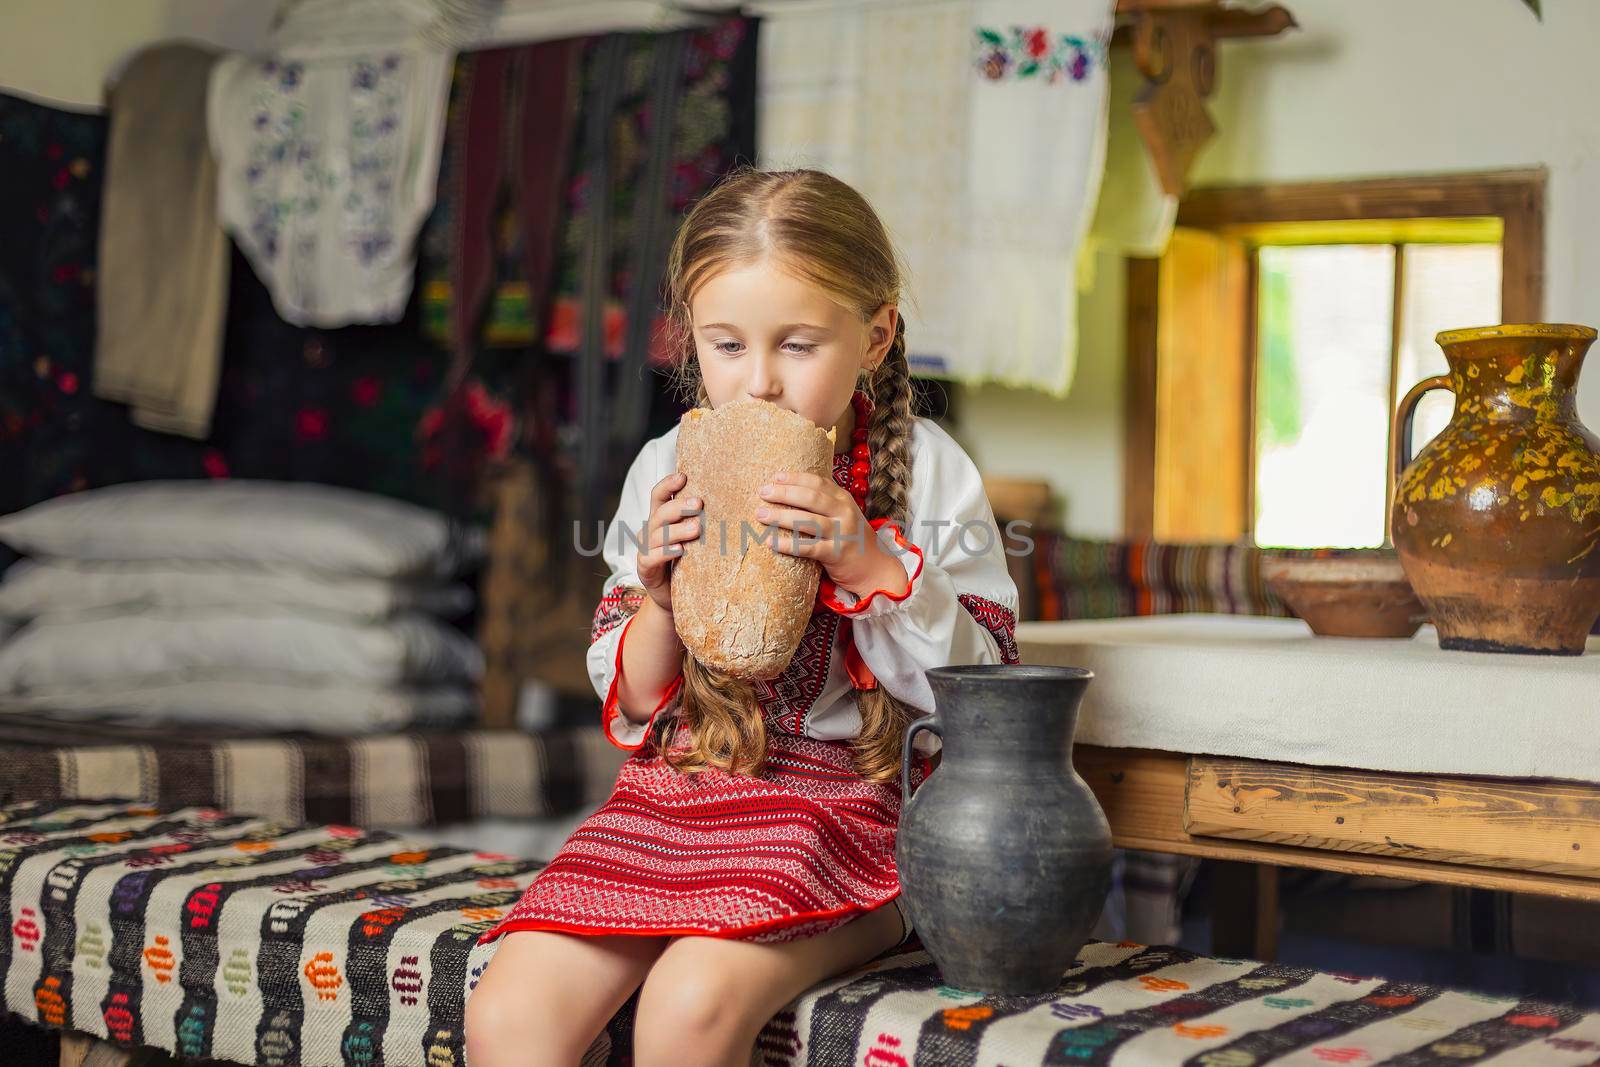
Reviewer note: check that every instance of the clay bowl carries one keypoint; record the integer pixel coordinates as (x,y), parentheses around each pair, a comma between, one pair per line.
(1348,596)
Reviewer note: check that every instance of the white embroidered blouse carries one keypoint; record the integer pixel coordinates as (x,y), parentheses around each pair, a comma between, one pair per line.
(959,604)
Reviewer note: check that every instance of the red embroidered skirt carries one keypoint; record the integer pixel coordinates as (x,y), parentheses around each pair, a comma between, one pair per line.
(804,848)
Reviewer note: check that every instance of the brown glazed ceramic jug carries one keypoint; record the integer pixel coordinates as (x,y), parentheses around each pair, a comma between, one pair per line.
(1497,520)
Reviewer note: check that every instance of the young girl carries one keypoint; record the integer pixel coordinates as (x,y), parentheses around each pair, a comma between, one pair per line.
(747,851)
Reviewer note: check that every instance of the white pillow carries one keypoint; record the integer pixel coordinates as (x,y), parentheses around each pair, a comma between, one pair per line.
(325,708)
(59,588)
(314,527)
(264,646)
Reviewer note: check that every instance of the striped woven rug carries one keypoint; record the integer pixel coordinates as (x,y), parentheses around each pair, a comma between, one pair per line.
(393,780)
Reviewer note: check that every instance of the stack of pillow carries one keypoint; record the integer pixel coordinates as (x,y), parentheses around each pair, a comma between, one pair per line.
(255,605)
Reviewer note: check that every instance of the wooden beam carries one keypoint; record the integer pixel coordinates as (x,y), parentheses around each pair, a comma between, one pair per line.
(1144,794)
(1397,334)
(1250,342)
(1244,911)
(1550,827)
(1492,193)
(1134,7)
(1522,252)
(1202,390)
(1139,401)
(1232,22)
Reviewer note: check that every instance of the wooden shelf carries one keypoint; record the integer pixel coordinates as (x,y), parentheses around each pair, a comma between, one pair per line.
(1155,801)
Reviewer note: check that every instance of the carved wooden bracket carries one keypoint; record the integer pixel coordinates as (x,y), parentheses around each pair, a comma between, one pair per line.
(1174,47)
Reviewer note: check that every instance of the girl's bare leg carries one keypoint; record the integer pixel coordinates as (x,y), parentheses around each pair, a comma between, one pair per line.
(706,999)
(546,996)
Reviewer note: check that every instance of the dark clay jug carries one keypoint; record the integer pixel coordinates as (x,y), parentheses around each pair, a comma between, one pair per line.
(1004,854)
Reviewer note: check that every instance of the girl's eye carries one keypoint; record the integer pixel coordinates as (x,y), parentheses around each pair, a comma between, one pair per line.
(733,348)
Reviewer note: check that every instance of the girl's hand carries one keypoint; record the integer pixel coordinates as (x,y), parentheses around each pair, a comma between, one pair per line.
(669,527)
(817,519)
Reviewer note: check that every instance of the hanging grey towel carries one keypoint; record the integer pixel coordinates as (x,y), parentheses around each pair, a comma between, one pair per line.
(163,275)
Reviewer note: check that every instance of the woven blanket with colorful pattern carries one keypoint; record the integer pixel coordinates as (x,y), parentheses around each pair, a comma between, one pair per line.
(222,936)
(1071,578)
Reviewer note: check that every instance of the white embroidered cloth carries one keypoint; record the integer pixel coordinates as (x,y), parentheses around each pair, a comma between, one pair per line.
(328,150)
(977,130)
(1257,688)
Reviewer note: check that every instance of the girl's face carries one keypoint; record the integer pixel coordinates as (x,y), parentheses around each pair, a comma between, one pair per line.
(762,332)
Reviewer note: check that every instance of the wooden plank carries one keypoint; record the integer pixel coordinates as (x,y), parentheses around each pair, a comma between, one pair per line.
(74,1047)
(1397,315)
(1522,256)
(1244,911)
(1552,827)
(1139,401)
(1143,795)
(1515,197)
(1251,381)
(86,1050)
(1491,193)
(1133,7)
(1202,427)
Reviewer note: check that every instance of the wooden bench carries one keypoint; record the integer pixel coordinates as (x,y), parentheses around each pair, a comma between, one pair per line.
(223,937)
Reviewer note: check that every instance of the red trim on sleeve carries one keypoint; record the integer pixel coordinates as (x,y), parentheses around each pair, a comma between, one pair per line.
(610,709)
(861,676)
(826,590)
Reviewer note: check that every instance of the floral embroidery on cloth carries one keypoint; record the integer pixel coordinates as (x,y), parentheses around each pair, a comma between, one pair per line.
(1024,52)
(287,176)
(328,159)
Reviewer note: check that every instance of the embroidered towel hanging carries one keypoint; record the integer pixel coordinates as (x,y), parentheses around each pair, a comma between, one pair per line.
(977,130)
(328,150)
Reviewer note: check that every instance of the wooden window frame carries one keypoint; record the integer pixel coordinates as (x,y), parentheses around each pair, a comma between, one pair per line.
(1515,197)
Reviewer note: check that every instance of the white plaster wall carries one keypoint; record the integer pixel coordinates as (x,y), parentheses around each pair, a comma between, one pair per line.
(63,51)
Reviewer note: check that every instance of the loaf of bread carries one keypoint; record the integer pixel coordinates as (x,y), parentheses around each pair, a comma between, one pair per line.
(740,607)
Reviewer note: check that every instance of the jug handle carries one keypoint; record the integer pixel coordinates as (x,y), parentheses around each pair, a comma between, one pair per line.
(1404,416)
(933,725)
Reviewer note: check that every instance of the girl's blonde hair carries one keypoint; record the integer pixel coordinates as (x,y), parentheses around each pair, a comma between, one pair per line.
(826,233)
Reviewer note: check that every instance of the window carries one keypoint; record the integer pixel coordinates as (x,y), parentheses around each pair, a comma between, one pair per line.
(1335,352)
(1269,347)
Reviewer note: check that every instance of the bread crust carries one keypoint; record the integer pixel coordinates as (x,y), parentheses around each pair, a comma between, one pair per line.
(740,607)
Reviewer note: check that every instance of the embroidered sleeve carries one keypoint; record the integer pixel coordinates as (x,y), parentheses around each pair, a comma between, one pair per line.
(623,596)
(619,605)
(618,728)
(999,620)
